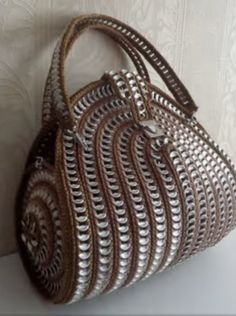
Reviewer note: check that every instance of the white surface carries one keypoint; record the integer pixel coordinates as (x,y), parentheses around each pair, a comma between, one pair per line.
(203,285)
(197,37)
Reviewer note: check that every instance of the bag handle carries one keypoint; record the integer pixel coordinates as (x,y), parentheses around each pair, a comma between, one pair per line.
(107,24)
(127,47)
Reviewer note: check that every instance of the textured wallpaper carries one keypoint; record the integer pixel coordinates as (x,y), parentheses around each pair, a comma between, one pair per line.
(198,38)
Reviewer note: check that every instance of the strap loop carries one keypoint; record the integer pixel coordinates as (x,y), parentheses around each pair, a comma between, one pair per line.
(128,36)
(132,88)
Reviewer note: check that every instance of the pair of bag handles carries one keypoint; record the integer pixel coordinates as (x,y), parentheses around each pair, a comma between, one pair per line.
(132,42)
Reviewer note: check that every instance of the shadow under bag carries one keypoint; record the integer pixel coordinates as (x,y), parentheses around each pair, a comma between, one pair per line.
(122,181)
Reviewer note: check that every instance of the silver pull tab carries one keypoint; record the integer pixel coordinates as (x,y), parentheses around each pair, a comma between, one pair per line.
(78,138)
(192,121)
(39,162)
(153,131)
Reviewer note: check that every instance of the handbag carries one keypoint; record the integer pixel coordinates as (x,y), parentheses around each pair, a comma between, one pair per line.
(122,181)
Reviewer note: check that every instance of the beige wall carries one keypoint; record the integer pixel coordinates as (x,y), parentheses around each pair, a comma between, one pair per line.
(198,37)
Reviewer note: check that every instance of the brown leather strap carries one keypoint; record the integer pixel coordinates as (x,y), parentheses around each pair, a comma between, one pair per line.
(108,25)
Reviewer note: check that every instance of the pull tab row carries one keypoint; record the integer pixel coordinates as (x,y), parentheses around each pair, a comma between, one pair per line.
(132,88)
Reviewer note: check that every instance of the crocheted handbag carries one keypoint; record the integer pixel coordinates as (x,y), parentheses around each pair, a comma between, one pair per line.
(122,181)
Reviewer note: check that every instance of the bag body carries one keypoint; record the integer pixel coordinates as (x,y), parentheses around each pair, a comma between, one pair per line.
(122,181)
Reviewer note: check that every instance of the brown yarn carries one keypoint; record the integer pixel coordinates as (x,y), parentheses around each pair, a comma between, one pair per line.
(122,182)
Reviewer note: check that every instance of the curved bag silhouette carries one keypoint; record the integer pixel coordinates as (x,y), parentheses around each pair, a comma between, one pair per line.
(122,181)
